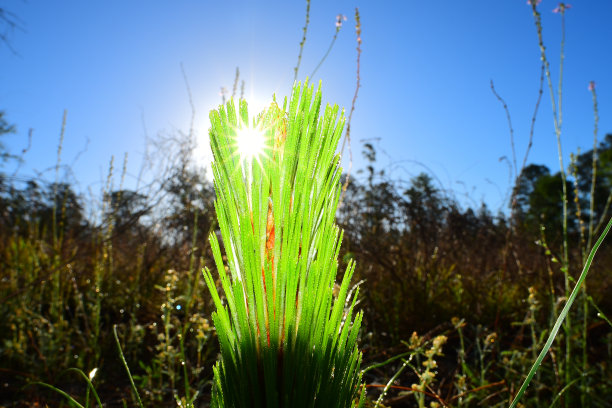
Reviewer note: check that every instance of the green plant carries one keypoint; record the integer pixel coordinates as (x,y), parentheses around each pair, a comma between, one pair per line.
(286,339)
(428,375)
(73,402)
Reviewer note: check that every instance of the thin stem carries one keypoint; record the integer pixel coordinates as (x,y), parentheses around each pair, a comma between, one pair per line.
(533,120)
(560,393)
(90,386)
(57,167)
(568,344)
(594,173)
(235,86)
(561,60)
(390,360)
(184,365)
(507,110)
(600,314)
(384,392)
(557,126)
(305,29)
(557,115)
(127,368)
(347,135)
(56,306)
(62,393)
(333,41)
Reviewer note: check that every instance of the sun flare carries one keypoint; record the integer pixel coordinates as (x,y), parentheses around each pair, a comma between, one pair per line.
(250,142)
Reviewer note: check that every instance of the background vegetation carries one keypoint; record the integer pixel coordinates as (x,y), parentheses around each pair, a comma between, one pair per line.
(489,283)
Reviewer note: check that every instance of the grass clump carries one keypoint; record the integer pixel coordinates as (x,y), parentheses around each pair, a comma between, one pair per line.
(286,338)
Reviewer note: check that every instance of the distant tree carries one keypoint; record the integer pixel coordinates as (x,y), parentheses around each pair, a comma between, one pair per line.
(526,185)
(125,210)
(538,193)
(51,207)
(539,198)
(190,205)
(423,206)
(61,199)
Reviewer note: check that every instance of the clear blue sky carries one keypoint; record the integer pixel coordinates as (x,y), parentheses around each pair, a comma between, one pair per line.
(425,71)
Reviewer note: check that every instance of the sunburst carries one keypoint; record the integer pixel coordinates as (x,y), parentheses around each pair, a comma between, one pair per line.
(250,143)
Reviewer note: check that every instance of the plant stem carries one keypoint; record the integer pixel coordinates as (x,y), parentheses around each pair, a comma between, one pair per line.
(557,117)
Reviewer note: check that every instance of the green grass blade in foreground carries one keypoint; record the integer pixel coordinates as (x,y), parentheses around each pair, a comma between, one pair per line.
(89,384)
(127,368)
(66,395)
(63,393)
(285,338)
(562,315)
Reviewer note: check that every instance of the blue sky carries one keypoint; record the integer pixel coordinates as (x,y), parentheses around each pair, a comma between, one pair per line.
(425,98)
